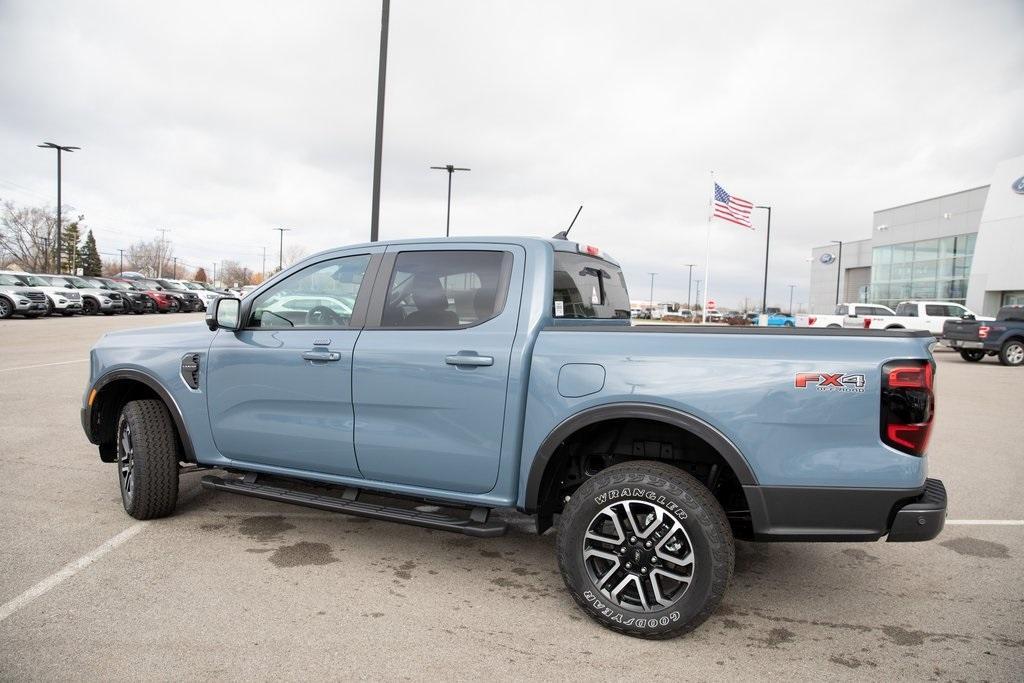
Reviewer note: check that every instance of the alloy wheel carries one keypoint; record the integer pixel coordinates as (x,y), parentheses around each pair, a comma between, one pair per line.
(638,555)
(126,461)
(1015,353)
(5,308)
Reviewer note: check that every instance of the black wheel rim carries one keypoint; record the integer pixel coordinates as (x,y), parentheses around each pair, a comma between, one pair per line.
(126,461)
(638,555)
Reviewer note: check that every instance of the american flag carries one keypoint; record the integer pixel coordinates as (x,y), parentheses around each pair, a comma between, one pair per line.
(732,209)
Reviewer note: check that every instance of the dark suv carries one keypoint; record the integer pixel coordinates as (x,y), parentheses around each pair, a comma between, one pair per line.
(134,298)
(190,301)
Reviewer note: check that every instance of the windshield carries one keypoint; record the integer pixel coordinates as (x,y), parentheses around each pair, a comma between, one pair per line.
(9,280)
(147,284)
(192,285)
(588,287)
(167,284)
(113,284)
(98,284)
(60,282)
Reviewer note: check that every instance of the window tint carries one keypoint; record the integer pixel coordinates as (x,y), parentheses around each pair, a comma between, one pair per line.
(841,309)
(907,310)
(877,310)
(588,287)
(864,310)
(944,310)
(322,295)
(1011,313)
(446,289)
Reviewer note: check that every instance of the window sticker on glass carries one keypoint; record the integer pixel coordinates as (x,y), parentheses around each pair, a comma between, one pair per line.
(559,309)
(595,296)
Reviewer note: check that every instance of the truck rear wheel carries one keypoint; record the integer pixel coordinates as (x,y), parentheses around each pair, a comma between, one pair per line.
(972,356)
(147,459)
(1012,353)
(645,550)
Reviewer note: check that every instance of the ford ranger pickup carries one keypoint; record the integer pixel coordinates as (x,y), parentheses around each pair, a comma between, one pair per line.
(434,381)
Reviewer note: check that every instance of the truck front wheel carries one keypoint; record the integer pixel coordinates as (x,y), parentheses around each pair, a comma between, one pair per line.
(147,459)
(972,356)
(645,550)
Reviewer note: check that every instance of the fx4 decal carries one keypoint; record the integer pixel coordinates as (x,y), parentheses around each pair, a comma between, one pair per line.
(825,381)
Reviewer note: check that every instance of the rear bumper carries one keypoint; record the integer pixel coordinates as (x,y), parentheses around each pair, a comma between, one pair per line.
(970,345)
(923,519)
(794,513)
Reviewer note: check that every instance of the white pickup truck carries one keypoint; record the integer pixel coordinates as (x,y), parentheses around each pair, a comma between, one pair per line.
(909,315)
(860,316)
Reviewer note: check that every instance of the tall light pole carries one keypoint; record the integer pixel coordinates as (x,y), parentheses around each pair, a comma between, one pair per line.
(451,169)
(175,271)
(652,291)
(697,299)
(378,142)
(839,267)
(59,148)
(767,243)
(280,258)
(689,286)
(791,287)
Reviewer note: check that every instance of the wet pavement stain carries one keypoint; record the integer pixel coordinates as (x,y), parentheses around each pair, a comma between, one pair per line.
(975,547)
(850,662)
(211,527)
(264,528)
(302,554)
(776,637)
(404,570)
(902,636)
(859,555)
(490,553)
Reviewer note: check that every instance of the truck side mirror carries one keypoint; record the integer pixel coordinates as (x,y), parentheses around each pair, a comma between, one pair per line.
(968,316)
(225,312)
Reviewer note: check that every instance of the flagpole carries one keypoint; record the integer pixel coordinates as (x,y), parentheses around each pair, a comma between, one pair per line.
(707,253)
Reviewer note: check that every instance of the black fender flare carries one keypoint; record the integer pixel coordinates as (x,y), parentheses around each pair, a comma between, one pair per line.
(90,427)
(646,411)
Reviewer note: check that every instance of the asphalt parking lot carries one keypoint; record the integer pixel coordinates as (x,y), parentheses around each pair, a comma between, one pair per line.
(233,588)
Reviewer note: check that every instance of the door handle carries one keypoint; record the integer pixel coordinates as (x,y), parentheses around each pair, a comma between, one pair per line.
(475,361)
(321,355)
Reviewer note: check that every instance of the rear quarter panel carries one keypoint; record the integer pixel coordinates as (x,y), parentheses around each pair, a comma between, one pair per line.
(744,386)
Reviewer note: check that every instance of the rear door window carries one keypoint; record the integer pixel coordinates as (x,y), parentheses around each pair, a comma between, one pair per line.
(589,288)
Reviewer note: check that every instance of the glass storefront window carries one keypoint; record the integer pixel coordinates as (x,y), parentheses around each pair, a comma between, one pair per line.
(926,250)
(924,270)
(881,255)
(971,239)
(929,269)
(903,253)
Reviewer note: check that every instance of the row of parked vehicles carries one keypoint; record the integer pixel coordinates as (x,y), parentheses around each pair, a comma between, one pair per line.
(34,295)
(973,336)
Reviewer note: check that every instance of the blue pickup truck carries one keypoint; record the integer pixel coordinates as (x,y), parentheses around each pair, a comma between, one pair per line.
(433,381)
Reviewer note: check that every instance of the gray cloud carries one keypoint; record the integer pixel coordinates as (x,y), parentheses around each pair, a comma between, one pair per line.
(221,121)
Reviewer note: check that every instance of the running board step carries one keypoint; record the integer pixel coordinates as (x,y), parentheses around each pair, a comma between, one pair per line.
(477,524)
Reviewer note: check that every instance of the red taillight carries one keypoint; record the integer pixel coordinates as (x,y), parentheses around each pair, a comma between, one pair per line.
(911,377)
(592,251)
(912,438)
(908,405)
(983,332)
(811,320)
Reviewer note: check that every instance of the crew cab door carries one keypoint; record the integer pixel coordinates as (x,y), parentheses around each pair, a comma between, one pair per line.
(431,367)
(280,389)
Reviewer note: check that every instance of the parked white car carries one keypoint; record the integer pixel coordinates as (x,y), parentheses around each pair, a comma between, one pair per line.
(928,315)
(62,299)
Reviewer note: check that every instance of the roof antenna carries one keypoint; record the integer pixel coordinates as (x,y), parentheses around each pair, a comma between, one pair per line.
(564,235)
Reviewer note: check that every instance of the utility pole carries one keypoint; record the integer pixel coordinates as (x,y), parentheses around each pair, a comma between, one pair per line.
(689,286)
(767,242)
(175,275)
(451,169)
(59,148)
(264,263)
(214,281)
(163,251)
(46,252)
(698,294)
(791,287)
(121,270)
(378,142)
(652,291)
(280,258)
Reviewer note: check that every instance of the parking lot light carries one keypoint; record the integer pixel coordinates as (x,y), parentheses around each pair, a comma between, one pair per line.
(59,148)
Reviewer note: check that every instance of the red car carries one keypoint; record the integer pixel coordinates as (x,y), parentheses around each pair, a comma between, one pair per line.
(164,302)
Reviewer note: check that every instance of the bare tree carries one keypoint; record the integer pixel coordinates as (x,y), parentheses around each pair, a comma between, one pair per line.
(294,253)
(27,236)
(232,273)
(148,257)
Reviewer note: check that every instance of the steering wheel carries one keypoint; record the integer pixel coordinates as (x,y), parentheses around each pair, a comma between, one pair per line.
(319,316)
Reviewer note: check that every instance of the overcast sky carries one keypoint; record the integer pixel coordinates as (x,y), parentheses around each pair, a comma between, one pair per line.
(221,121)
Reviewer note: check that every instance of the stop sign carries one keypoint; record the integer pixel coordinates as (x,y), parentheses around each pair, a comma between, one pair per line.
(711,305)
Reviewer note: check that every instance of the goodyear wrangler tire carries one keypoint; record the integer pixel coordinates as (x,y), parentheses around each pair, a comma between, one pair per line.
(645,550)
(147,459)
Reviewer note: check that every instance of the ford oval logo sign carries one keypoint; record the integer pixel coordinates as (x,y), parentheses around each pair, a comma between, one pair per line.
(1018,185)
(827,258)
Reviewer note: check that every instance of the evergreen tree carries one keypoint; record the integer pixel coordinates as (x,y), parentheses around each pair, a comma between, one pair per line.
(69,247)
(200,275)
(89,257)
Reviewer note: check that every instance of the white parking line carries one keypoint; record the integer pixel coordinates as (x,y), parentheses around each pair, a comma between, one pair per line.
(987,522)
(43,365)
(68,571)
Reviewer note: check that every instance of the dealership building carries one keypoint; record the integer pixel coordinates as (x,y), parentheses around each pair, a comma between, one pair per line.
(966,247)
